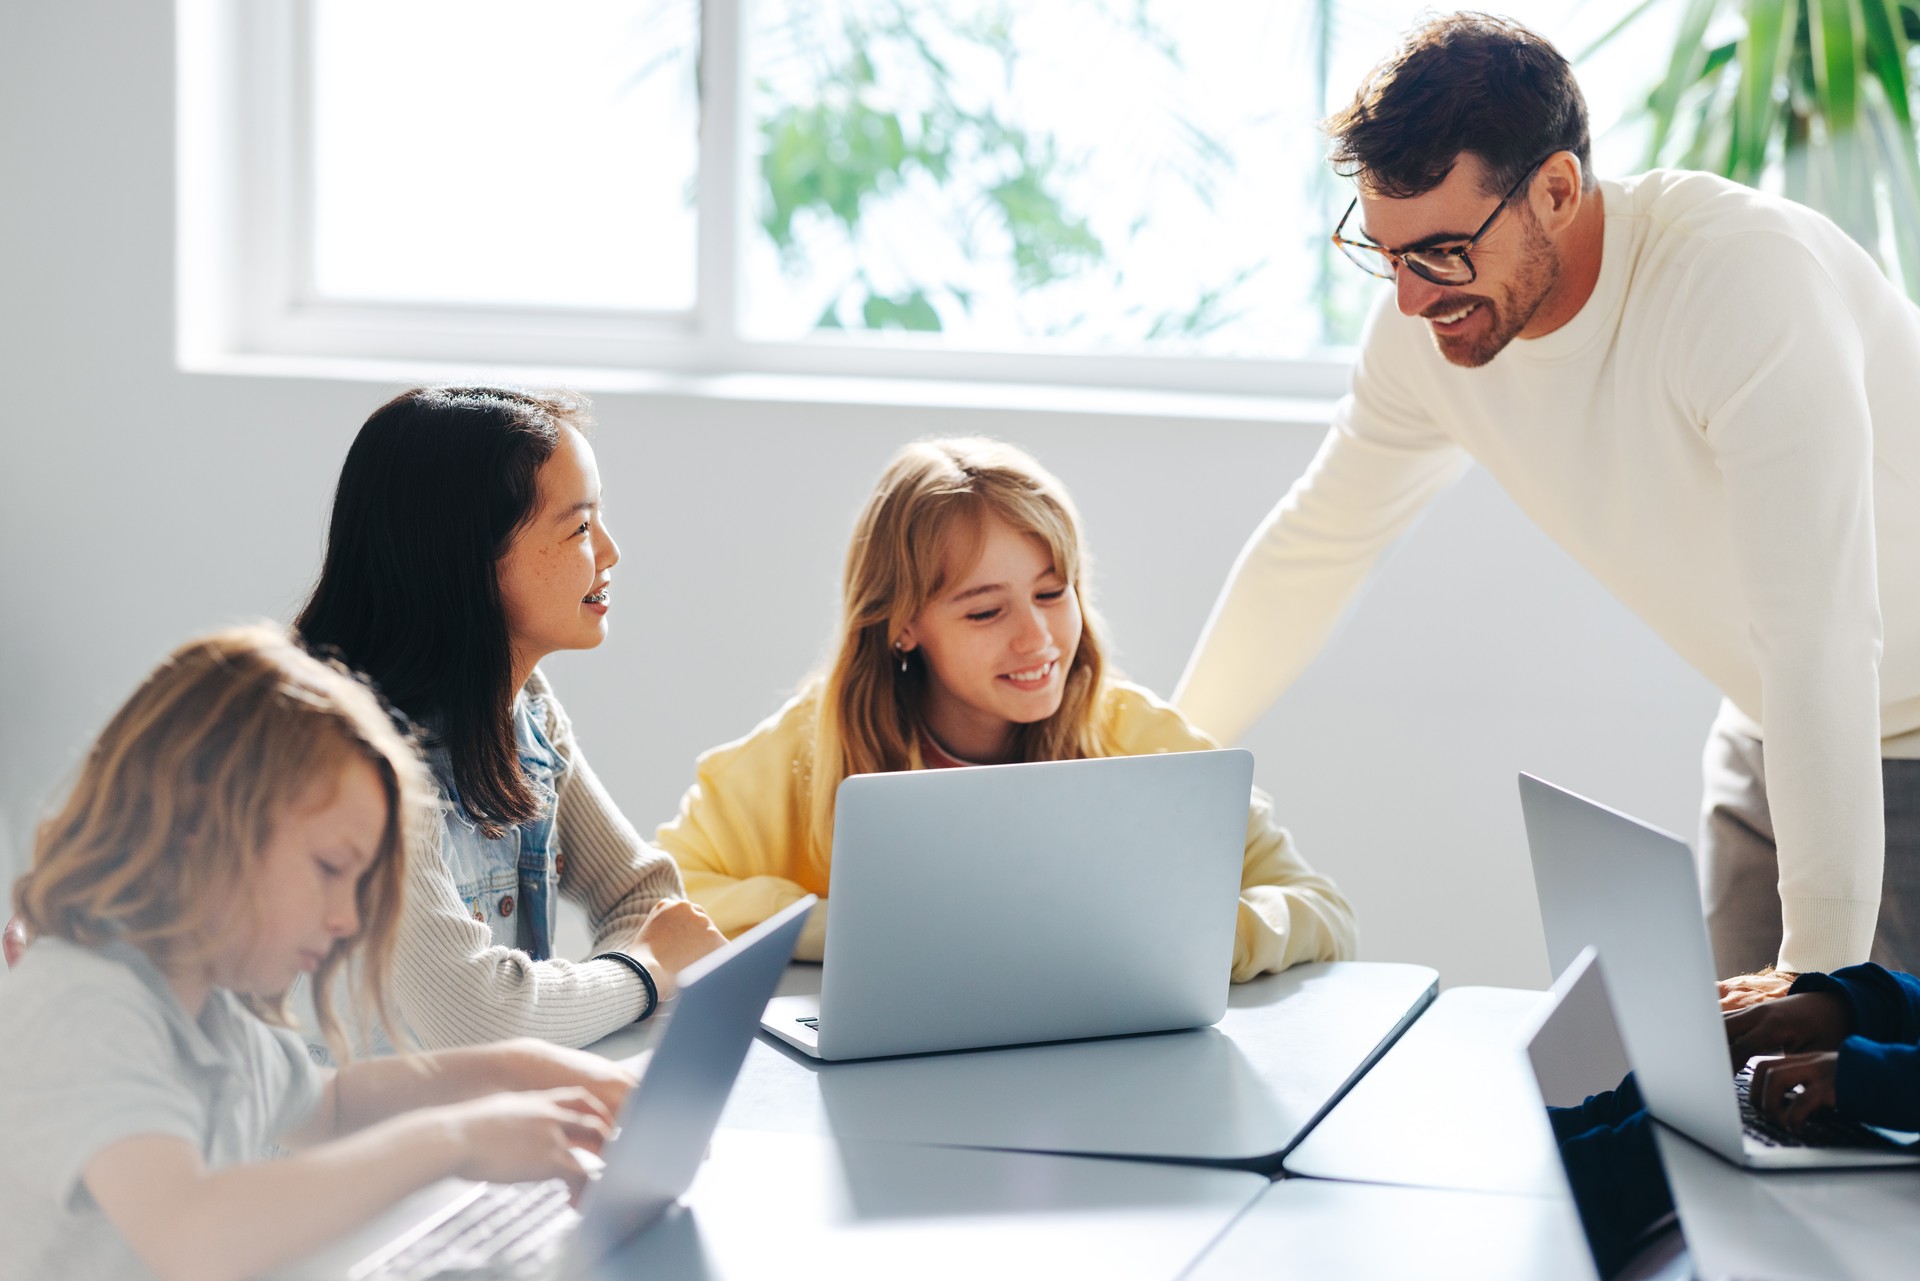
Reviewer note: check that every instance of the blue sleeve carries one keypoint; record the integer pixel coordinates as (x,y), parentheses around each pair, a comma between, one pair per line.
(1885,1005)
(1878,1083)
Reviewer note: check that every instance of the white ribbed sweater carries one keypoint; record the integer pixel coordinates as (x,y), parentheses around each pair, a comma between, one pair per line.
(454,986)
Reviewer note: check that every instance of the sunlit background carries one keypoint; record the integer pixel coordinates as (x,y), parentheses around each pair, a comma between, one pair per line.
(1088,175)
(236,226)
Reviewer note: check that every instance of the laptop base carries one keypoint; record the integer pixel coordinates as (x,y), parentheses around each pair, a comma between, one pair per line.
(783,1019)
(1765,1158)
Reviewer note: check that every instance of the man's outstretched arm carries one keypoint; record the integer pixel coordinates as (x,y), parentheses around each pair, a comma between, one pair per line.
(1302,566)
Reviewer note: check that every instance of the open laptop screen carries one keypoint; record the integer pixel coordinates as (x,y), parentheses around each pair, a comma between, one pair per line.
(1603,1131)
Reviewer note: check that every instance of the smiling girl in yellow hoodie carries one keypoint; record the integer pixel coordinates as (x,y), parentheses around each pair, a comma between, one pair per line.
(967,638)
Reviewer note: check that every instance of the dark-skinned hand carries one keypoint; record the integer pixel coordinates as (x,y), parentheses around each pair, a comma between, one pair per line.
(1795,1024)
(1794,1088)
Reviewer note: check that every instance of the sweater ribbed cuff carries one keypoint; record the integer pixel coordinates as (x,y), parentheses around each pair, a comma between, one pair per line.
(651,1001)
(1825,933)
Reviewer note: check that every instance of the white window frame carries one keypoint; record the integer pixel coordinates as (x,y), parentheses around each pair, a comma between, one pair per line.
(245,287)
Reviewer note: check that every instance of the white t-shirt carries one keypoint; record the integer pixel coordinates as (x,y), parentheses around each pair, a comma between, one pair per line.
(1727,436)
(99,1050)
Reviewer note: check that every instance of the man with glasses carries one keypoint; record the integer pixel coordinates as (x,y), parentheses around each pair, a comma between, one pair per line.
(1709,396)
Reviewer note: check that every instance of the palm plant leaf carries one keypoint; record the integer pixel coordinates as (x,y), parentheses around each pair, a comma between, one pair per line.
(1819,88)
(1683,70)
(1763,57)
(1886,55)
(1836,62)
(1605,38)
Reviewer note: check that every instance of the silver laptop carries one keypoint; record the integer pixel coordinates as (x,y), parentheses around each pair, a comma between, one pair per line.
(1612,882)
(1576,1029)
(529,1230)
(1012,904)
(1738,1226)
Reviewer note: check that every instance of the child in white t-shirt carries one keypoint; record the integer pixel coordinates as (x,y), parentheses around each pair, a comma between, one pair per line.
(243,819)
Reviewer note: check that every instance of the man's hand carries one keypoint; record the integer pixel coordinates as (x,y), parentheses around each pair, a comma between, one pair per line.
(1743,990)
(1793,1088)
(677,933)
(1791,1025)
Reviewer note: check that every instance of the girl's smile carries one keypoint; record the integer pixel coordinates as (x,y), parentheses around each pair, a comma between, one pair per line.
(1033,679)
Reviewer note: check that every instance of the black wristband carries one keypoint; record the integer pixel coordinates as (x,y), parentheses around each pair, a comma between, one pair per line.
(653,990)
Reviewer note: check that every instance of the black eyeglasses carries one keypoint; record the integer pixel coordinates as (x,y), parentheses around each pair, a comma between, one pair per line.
(1450,266)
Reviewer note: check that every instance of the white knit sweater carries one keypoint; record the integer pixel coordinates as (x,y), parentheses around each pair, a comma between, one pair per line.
(1727,435)
(454,986)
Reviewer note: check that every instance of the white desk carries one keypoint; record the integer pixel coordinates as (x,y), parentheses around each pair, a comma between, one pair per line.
(1446,1102)
(1839,1225)
(799,1206)
(1239,1093)
(1310,1228)
(1453,1106)
(1438,1110)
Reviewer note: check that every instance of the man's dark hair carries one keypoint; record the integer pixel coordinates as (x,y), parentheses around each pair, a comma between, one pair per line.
(433,490)
(1463,82)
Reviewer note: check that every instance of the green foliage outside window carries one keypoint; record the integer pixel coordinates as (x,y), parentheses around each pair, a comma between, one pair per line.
(886,110)
(1820,91)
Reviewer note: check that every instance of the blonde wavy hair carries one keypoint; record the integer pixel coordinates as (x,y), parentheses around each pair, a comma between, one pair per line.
(159,840)
(922,526)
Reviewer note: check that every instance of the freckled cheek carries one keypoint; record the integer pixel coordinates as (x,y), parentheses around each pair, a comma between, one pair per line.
(577,570)
(552,576)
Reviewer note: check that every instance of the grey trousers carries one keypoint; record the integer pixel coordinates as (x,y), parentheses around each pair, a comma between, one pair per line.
(1740,867)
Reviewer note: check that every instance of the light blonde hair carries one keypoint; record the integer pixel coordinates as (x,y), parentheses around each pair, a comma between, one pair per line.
(178,797)
(924,523)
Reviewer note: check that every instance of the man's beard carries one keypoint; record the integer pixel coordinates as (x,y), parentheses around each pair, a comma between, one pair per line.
(1538,272)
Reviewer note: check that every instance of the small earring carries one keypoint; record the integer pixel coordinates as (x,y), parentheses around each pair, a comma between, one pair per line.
(900,654)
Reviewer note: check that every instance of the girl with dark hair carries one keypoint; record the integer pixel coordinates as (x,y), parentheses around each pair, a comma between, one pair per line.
(467,543)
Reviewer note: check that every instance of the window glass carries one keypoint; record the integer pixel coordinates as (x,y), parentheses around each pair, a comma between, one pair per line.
(1083,175)
(1055,175)
(482,151)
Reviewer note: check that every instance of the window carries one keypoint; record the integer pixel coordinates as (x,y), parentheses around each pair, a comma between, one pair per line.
(1092,192)
(496,152)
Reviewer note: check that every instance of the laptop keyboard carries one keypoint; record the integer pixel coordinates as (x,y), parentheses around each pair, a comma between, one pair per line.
(511,1230)
(1823,1130)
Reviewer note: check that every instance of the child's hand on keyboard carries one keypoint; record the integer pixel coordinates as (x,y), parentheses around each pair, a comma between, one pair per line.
(1791,1025)
(1793,1087)
(528,1136)
(542,1065)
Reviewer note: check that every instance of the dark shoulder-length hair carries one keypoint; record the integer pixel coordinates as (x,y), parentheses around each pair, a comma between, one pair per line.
(433,490)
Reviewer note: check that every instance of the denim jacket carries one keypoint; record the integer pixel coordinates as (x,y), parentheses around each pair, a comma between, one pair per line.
(509,883)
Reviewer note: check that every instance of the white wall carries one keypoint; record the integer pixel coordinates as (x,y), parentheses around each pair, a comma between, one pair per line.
(139,504)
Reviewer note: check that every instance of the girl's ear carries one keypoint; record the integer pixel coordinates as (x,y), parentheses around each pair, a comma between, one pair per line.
(906,643)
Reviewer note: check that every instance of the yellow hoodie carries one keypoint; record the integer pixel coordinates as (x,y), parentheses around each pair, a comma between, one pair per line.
(741,838)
